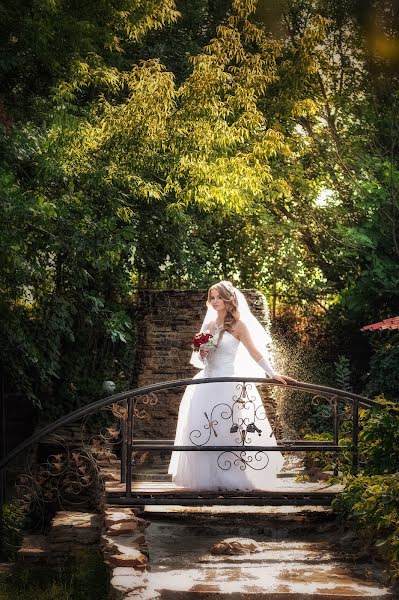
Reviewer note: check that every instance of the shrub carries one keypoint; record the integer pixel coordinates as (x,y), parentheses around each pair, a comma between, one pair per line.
(318,460)
(378,437)
(14,520)
(371,504)
(384,366)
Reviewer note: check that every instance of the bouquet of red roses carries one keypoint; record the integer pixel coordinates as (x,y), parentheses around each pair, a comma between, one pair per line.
(203,339)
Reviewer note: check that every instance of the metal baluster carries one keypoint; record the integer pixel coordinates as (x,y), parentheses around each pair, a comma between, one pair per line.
(3,444)
(336,431)
(123,448)
(129,446)
(355,436)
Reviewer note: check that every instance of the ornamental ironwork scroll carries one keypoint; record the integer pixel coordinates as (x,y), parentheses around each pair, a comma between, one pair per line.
(244,418)
(146,400)
(70,474)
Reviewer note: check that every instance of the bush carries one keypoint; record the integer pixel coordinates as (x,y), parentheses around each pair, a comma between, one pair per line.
(14,520)
(378,437)
(371,500)
(317,460)
(371,504)
(384,366)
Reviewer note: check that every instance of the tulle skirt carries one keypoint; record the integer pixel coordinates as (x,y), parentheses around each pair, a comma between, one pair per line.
(219,414)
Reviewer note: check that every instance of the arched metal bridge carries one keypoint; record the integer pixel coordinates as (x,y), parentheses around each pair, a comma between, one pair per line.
(75,465)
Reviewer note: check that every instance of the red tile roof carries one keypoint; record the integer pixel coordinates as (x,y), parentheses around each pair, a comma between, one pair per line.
(392,323)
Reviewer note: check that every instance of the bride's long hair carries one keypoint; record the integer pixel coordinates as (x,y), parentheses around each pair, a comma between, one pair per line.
(226,290)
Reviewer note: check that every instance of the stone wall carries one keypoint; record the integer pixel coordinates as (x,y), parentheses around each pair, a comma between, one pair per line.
(167,322)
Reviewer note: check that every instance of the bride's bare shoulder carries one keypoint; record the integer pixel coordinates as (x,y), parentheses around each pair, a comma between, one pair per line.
(240,328)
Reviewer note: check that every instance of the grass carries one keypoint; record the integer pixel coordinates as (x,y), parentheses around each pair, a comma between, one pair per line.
(84,578)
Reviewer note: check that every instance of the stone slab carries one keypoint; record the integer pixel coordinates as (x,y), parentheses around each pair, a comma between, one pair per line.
(128,583)
(33,545)
(121,528)
(123,544)
(6,567)
(134,559)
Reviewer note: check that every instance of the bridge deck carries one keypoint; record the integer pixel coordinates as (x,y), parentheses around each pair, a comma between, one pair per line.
(286,492)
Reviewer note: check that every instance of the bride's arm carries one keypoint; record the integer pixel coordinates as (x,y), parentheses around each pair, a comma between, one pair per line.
(263,361)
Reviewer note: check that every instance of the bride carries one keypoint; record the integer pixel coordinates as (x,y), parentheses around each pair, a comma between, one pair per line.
(227,413)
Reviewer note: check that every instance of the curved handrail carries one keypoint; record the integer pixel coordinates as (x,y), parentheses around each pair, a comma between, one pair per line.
(165,385)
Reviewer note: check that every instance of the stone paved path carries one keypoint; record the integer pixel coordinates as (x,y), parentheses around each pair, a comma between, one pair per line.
(303,554)
(316,568)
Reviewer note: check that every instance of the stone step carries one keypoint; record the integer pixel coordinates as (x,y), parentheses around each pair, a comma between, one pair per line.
(271,522)
(148,476)
(182,567)
(321,517)
(70,531)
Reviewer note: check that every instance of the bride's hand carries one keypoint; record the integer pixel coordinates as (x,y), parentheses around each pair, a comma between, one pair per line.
(203,353)
(283,379)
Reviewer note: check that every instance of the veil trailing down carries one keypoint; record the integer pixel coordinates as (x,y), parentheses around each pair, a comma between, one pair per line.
(227,413)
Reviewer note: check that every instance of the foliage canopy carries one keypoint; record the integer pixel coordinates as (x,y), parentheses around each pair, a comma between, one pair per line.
(170,144)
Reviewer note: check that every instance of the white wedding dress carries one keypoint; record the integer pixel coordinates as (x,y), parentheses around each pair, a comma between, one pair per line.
(220,414)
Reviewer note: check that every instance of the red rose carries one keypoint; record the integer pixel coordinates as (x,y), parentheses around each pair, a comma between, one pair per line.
(200,339)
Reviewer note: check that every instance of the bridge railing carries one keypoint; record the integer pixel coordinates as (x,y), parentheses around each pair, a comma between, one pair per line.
(77,468)
(343,406)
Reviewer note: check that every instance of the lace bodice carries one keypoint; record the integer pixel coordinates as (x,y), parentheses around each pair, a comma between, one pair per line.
(220,362)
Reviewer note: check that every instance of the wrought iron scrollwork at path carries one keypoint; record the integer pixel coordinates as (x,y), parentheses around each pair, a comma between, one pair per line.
(67,477)
(245,426)
(338,412)
(70,473)
(325,411)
